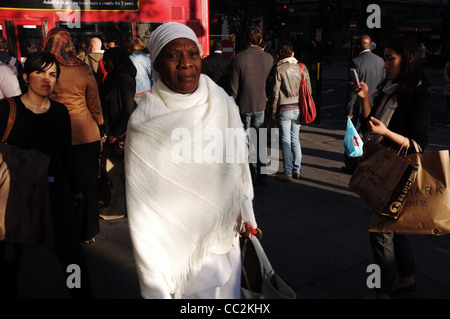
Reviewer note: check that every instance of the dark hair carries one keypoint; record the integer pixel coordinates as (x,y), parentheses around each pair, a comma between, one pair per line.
(3,44)
(411,70)
(217,45)
(254,35)
(285,49)
(121,60)
(40,61)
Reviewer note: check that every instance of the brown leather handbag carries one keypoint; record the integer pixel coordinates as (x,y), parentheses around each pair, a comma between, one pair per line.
(9,125)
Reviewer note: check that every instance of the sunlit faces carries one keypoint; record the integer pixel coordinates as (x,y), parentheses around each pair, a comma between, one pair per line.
(179,65)
(392,62)
(43,82)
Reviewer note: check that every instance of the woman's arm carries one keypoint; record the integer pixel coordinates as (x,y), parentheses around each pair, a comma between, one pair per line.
(377,127)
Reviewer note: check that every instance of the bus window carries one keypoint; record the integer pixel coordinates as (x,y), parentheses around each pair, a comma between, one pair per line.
(145,29)
(120,32)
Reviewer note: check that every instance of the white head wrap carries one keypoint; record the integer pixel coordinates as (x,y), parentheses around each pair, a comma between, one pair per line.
(163,35)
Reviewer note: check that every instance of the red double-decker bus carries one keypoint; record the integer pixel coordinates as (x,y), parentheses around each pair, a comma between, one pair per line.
(25,23)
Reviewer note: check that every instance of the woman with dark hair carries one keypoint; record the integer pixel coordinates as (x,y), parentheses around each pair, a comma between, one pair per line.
(400,114)
(117,96)
(43,124)
(285,108)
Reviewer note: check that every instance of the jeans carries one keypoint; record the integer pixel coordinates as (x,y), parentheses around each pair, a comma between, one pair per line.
(392,252)
(254,120)
(290,142)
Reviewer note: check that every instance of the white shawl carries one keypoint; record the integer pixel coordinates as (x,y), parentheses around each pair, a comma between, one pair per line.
(180,212)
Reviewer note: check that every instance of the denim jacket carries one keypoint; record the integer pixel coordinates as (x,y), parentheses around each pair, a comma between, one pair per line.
(144,71)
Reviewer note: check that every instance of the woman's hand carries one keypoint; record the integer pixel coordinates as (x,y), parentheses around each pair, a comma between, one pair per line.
(377,127)
(362,90)
(245,229)
(111,139)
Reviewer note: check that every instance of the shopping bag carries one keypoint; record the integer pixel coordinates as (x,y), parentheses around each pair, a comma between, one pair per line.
(307,106)
(383,178)
(353,144)
(427,205)
(258,279)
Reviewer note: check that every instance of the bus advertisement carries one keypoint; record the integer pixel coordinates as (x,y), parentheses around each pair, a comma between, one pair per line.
(26,23)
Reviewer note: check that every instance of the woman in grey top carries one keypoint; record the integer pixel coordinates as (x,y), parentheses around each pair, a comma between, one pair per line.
(285,109)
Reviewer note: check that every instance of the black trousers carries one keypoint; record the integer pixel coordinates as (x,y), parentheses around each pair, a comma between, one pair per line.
(66,243)
(86,159)
(392,252)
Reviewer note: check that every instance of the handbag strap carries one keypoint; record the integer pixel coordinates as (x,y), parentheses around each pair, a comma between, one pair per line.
(11,119)
(266,267)
(417,147)
(244,271)
(301,70)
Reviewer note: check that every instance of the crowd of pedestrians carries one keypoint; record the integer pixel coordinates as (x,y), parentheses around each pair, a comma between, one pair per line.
(119,105)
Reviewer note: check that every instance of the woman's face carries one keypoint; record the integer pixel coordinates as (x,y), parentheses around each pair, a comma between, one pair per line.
(179,65)
(108,64)
(42,83)
(392,63)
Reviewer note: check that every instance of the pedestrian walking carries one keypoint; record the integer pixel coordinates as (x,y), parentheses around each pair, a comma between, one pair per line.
(370,69)
(400,114)
(42,124)
(285,109)
(77,89)
(185,216)
(249,71)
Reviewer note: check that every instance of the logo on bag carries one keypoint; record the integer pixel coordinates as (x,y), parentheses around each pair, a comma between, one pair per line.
(397,204)
(355,141)
(395,207)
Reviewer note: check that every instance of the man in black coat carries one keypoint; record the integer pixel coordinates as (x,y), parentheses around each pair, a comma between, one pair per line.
(370,69)
(218,66)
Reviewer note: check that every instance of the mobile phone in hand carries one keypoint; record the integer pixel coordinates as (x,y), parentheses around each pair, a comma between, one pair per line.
(353,75)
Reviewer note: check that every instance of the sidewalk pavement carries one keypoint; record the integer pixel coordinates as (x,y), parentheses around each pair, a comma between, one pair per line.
(315,233)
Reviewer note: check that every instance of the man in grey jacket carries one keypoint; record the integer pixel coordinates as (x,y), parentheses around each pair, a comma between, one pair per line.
(370,69)
(249,71)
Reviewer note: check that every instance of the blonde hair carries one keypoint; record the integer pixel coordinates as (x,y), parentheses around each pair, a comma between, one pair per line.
(136,44)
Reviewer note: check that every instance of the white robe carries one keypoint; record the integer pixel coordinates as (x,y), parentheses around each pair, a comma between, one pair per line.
(184,196)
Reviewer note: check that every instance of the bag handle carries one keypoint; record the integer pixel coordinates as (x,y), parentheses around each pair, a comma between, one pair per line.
(301,70)
(266,267)
(11,119)
(417,146)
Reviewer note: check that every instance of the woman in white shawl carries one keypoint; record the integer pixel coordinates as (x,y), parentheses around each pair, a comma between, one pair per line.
(188,186)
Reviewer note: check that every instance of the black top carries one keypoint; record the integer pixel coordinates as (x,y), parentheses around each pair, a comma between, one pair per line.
(49,133)
(412,116)
(117,95)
